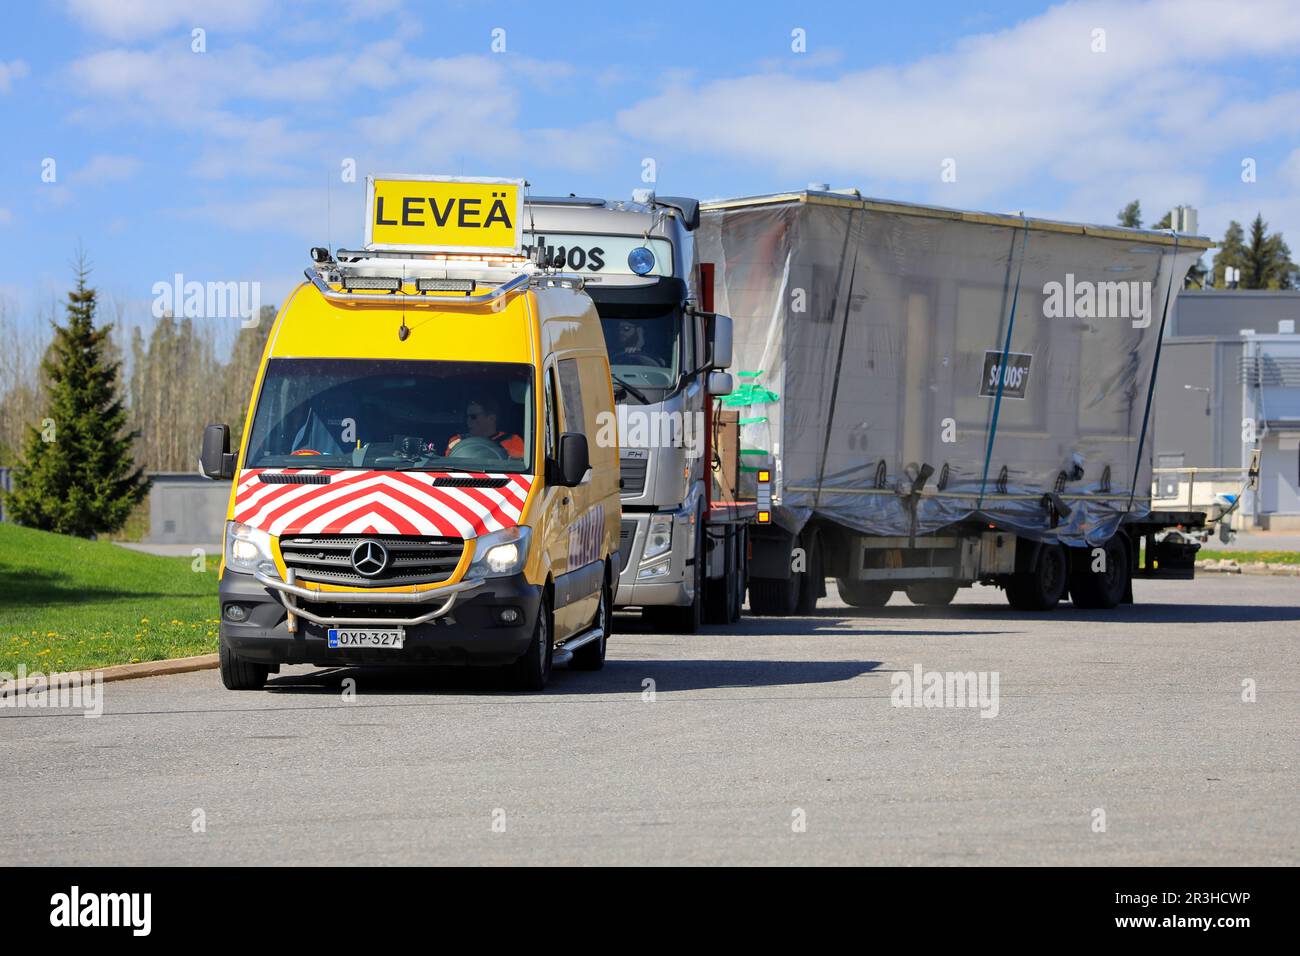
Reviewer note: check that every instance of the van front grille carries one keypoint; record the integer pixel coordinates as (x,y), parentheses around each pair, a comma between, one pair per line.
(412,559)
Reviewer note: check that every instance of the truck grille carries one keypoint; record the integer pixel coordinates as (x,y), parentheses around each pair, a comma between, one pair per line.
(327,559)
(631,472)
(626,533)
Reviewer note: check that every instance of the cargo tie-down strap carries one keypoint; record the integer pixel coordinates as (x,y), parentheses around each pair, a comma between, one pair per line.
(1002,365)
(1155,367)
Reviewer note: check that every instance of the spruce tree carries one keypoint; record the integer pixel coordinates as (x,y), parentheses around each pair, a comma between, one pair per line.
(77,475)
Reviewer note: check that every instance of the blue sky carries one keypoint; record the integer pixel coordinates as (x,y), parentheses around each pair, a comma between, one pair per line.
(217,165)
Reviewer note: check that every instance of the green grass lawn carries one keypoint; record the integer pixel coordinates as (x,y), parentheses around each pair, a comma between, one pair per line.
(1244,557)
(69,604)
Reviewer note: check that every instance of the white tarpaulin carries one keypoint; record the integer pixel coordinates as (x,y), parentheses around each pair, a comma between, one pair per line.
(1014,357)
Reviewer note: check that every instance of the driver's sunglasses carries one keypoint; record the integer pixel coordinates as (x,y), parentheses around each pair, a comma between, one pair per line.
(471,416)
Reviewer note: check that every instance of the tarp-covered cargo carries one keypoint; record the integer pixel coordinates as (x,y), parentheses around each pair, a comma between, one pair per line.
(870,339)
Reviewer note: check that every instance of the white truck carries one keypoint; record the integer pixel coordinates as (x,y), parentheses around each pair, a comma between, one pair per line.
(683,552)
(936,398)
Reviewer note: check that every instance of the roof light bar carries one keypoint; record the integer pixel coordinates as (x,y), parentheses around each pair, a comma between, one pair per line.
(375,283)
(445,285)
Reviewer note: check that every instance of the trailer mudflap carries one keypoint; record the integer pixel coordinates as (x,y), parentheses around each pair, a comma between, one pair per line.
(1171,559)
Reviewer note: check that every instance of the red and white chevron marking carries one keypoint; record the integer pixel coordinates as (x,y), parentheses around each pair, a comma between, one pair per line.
(379,502)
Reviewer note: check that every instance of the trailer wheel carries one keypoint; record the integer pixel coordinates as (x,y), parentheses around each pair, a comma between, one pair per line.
(774,597)
(1106,588)
(864,593)
(813,578)
(932,593)
(1042,588)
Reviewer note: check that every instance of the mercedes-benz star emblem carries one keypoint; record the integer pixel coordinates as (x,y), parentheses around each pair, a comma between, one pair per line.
(369,558)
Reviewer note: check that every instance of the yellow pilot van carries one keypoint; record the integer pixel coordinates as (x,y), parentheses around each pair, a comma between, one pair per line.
(419,478)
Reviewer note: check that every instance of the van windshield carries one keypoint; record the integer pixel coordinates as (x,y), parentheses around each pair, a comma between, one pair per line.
(395,415)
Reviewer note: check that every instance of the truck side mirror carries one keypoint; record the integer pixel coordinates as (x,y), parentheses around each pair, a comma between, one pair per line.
(574,460)
(720,343)
(720,383)
(215,460)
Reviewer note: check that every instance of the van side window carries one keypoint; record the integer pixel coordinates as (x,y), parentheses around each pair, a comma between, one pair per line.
(571,396)
(552,427)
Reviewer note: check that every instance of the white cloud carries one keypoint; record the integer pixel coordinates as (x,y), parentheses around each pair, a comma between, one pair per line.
(1029,102)
(136,19)
(13,70)
(105,168)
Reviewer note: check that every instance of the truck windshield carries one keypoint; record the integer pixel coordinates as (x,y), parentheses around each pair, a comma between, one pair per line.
(644,352)
(393,415)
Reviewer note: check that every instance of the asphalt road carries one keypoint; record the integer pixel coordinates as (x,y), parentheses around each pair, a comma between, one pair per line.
(751,732)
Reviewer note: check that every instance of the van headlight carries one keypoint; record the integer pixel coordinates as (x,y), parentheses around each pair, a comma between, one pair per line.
(499,553)
(659,537)
(248,549)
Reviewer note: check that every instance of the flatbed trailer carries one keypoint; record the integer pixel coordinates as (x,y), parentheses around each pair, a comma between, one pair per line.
(939,398)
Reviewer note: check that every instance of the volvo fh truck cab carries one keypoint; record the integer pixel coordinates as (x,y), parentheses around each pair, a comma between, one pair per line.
(682,552)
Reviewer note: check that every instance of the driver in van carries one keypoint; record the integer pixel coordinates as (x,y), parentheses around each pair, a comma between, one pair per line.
(481,422)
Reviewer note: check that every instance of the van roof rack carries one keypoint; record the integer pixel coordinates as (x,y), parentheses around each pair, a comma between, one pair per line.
(440,280)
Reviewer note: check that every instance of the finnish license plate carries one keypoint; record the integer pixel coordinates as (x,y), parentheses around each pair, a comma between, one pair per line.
(390,638)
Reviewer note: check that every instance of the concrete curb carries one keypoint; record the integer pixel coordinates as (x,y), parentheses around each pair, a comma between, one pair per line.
(1229,566)
(175,665)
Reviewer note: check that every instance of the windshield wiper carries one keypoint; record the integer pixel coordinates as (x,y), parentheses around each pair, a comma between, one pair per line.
(625,386)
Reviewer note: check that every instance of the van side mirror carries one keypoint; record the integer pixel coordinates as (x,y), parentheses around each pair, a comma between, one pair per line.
(215,460)
(720,335)
(573,461)
(720,383)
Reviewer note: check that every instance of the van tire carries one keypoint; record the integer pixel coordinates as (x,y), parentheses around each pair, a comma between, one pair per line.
(864,593)
(237,673)
(1042,588)
(533,669)
(774,597)
(1104,590)
(591,656)
(932,593)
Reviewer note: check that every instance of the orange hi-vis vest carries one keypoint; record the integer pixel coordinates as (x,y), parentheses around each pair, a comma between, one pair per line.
(513,444)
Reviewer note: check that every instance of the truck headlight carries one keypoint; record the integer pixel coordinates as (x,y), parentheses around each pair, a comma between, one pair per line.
(248,549)
(659,537)
(500,553)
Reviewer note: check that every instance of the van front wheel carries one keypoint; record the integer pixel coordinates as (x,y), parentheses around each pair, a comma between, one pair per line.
(239,674)
(533,670)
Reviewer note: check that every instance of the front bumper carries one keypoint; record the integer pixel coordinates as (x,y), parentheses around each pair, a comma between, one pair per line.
(673,586)
(470,633)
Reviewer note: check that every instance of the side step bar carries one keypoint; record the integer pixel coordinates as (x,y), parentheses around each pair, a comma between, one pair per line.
(564,652)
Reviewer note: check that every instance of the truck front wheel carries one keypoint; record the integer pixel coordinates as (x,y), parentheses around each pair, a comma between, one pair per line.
(684,620)
(1042,588)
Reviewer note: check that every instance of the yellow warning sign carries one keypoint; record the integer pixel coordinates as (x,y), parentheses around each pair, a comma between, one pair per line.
(444,214)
